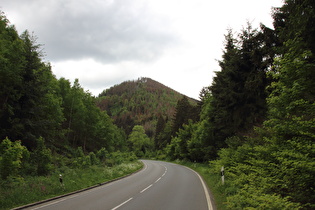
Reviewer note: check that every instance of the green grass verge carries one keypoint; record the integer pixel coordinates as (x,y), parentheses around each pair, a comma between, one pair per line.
(213,180)
(21,191)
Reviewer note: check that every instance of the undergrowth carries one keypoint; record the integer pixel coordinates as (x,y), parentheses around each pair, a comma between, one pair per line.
(20,191)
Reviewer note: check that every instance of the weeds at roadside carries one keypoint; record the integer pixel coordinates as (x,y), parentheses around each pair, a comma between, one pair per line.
(31,189)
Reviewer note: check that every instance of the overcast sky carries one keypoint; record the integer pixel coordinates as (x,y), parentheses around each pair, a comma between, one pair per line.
(105,42)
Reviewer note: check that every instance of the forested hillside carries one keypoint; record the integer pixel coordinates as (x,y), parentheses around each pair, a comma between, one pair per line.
(140,102)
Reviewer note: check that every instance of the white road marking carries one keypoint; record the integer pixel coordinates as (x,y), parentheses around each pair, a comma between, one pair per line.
(122,204)
(158,180)
(204,188)
(146,188)
(55,202)
(145,166)
(48,204)
(164,173)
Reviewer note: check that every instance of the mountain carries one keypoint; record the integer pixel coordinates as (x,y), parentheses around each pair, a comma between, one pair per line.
(140,102)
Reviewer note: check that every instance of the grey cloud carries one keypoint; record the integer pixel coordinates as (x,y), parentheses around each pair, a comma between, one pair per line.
(107,31)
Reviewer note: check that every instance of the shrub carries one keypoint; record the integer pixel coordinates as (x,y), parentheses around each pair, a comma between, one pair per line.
(11,157)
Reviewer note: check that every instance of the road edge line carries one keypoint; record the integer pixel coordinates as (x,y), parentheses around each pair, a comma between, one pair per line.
(205,188)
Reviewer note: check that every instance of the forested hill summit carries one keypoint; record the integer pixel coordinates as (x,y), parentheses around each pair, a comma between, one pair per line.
(140,102)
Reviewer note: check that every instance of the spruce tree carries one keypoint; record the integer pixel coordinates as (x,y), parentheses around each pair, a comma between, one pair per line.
(11,68)
(159,129)
(184,111)
(238,90)
(225,89)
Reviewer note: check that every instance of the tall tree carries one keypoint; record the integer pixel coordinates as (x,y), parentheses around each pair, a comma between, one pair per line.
(292,101)
(29,107)
(184,111)
(226,89)
(295,19)
(178,148)
(140,142)
(38,113)
(11,68)
(238,90)
(160,126)
(203,146)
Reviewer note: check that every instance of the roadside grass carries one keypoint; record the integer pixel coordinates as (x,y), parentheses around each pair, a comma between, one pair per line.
(21,191)
(212,177)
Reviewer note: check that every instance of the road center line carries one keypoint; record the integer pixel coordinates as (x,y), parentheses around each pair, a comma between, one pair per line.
(57,201)
(145,166)
(122,204)
(146,188)
(158,180)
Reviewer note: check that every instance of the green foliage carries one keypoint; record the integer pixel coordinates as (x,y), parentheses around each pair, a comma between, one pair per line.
(15,192)
(200,145)
(238,90)
(279,175)
(86,125)
(117,158)
(11,155)
(29,108)
(102,154)
(140,142)
(11,68)
(93,158)
(296,19)
(184,112)
(164,136)
(41,158)
(178,147)
(159,142)
(250,198)
(40,114)
(292,102)
(292,114)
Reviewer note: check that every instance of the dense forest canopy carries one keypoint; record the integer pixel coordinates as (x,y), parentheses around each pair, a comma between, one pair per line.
(257,118)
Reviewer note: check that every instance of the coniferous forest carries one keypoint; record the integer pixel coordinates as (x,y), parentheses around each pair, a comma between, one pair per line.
(257,118)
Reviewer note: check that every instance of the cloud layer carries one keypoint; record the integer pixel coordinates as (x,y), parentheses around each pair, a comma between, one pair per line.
(105,42)
(108,31)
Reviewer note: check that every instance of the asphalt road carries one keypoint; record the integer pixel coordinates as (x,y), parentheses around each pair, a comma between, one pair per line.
(160,185)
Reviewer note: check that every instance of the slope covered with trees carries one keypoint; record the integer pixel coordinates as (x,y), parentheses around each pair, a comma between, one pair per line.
(140,102)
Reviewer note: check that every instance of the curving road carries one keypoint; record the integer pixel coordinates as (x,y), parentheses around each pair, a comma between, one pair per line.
(160,185)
